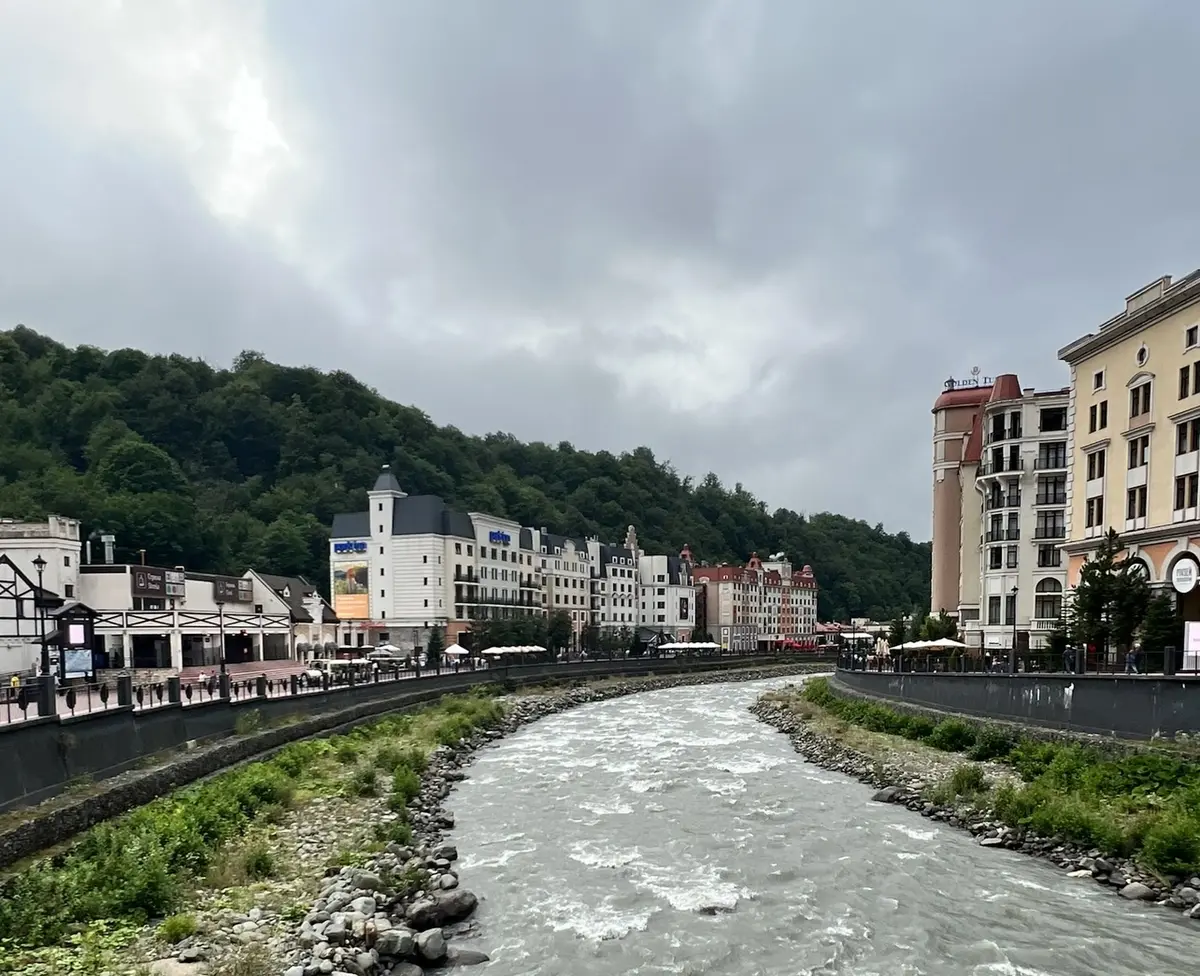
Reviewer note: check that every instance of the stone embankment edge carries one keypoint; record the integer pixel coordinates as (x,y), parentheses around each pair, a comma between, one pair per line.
(41,830)
(895,784)
(446,908)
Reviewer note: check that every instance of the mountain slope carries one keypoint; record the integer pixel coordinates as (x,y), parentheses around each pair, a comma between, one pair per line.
(220,469)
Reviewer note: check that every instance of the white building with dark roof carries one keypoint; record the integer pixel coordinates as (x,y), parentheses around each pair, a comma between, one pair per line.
(616,584)
(565,565)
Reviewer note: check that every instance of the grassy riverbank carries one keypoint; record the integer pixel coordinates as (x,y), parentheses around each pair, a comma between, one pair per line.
(1140,801)
(148,864)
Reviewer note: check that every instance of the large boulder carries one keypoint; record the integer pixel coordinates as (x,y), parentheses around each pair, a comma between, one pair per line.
(445,908)
(431,946)
(395,943)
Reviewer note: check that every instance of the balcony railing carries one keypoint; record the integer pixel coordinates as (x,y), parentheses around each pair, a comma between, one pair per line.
(1051,462)
(1003,535)
(1009,466)
(1051,498)
(467,576)
(1050,532)
(1003,434)
(1004,501)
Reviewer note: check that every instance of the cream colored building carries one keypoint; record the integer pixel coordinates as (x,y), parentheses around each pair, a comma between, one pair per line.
(1134,433)
(1011,536)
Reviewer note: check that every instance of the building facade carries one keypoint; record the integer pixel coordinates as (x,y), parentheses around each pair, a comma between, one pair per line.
(1017,454)
(1134,435)
(761,603)
(410,563)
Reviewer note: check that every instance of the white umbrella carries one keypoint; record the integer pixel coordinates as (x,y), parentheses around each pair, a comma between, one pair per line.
(946,642)
(454,650)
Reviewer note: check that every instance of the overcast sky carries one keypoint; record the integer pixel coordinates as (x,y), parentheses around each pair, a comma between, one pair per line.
(755,236)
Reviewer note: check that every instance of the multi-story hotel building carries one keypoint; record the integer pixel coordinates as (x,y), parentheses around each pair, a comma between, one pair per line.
(1004,472)
(410,563)
(1134,435)
(761,602)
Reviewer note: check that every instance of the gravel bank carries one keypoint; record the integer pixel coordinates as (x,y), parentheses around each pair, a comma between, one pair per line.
(912,783)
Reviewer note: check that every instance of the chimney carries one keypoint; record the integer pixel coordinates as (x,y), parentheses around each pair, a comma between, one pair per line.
(110,542)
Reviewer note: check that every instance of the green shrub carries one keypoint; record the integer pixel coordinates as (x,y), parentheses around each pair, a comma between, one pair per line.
(176,928)
(952,735)
(1171,844)
(258,862)
(345,750)
(406,785)
(364,781)
(991,743)
(397,831)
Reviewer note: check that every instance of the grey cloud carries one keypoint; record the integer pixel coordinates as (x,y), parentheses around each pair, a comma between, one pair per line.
(919,187)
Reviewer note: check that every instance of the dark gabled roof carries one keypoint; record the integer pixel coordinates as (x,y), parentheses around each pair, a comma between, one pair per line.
(526,538)
(552,542)
(387,481)
(610,554)
(298,589)
(675,571)
(411,515)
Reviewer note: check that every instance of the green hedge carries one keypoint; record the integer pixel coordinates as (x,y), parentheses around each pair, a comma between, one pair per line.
(1144,803)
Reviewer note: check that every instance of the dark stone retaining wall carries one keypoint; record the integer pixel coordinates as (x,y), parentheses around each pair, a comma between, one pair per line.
(49,753)
(1127,707)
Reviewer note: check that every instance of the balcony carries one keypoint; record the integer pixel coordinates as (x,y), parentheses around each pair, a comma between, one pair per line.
(1004,501)
(1050,532)
(1010,466)
(1002,434)
(465,576)
(1003,535)
(1050,462)
(1050,498)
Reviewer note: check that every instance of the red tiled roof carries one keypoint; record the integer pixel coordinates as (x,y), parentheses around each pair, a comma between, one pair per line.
(969,397)
(973,451)
(1006,386)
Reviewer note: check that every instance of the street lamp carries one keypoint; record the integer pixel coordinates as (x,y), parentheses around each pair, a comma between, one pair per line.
(1013,659)
(39,565)
(221,625)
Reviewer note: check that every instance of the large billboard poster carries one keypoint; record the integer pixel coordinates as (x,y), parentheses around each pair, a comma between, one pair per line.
(351,578)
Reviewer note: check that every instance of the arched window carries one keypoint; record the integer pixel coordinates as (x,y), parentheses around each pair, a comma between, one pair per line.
(1047,600)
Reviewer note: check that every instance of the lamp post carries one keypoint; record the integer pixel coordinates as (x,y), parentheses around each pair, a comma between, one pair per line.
(39,565)
(1012,663)
(221,625)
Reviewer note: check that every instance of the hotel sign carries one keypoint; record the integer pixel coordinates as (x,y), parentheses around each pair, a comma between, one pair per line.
(1183,575)
(349,547)
(500,538)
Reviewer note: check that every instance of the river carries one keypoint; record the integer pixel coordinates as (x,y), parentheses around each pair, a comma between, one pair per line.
(671,832)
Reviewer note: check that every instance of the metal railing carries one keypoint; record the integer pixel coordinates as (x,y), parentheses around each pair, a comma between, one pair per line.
(975,660)
(1052,462)
(78,699)
(1050,532)
(1053,498)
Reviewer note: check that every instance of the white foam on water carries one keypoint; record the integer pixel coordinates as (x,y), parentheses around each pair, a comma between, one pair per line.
(600,922)
(602,809)
(910,855)
(501,859)
(914,833)
(589,854)
(689,890)
(723,787)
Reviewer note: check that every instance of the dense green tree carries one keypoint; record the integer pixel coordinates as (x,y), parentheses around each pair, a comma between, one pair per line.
(558,630)
(220,469)
(1162,627)
(898,632)
(1112,597)
(434,647)
(939,627)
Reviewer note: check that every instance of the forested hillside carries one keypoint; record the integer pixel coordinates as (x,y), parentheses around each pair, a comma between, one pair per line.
(222,469)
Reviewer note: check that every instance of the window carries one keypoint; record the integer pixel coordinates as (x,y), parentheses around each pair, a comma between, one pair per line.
(1010,609)
(381,506)
(1190,337)
(993,609)
(1010,557)
(1095,465)
(1098,416)
(1049,557)
(1185,381)
(1139,401)
(380,570)
(66,560)
(425,581)
(458,548)
(1092,418)
(1139,451)
(68,591)
(382,594)
(1047,600)
(995,558)
(1187,487)
(1135,502)
(1187,436)
(1098,380)
(424,559)
(1095,512)
(1053,418)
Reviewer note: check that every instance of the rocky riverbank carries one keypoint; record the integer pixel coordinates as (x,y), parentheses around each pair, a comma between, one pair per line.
(912,784)
(356,906)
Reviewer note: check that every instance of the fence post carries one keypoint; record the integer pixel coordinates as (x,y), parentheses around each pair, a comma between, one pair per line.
(295,684)
(225,685)
(125,690)
(261,686)
(1168,661)
(174,690)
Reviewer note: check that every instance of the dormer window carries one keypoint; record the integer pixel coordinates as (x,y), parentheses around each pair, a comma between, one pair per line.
(287,592)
